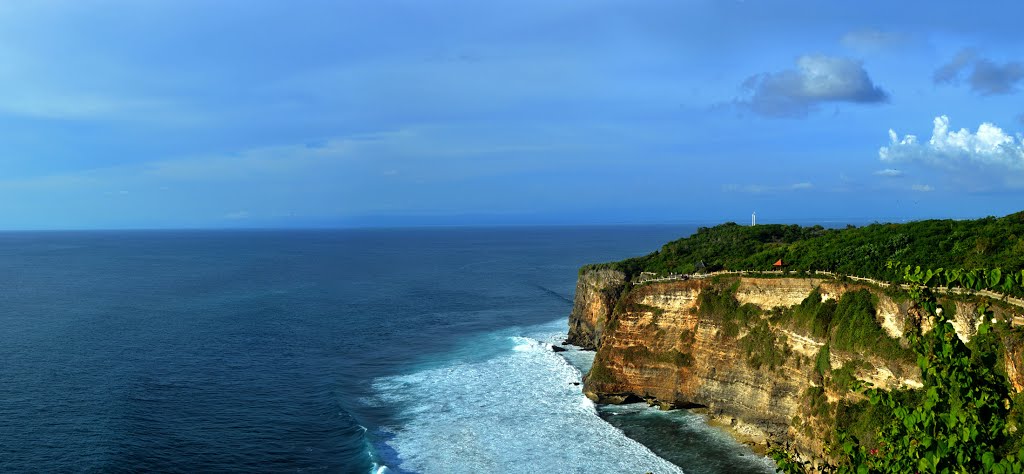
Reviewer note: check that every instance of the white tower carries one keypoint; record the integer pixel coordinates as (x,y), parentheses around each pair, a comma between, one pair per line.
(753,219)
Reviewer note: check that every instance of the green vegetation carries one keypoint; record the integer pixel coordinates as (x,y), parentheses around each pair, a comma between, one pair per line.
(856,329)
(843,378)
(640,354)
(818,406)
(861,419)
(813,315)
(822,364)
(599,373)
(687,337)
(849,325)
(763,348)
(721,305)
(983,243)
(965,418)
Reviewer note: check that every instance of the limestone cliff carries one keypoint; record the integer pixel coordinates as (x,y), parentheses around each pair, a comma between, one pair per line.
(597,291)
(657,343)
(1015,366)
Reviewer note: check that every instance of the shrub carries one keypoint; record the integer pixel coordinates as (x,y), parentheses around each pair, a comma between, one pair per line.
(764,348)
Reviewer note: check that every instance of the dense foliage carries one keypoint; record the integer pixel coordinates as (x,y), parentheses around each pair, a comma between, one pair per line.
(856,329)
(719,304)
(813,315)
(965,418)
(764,347)
(982,243)
(848,325)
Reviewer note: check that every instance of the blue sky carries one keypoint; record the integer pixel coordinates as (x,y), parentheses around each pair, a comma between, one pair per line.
(331,113)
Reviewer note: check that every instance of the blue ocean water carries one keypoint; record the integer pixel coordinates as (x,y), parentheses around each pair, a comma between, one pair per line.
(412,350)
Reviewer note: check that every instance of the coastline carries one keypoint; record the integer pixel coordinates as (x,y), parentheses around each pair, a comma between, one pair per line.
(675,434)
(743,433)
(689,343)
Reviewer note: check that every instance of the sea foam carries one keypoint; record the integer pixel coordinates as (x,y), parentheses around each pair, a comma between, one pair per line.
(518,411)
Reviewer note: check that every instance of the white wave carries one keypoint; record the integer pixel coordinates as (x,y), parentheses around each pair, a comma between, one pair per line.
(516,412)
(525,344)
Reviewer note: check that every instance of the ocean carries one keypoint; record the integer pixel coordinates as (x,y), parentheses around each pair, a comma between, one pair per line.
(397,350)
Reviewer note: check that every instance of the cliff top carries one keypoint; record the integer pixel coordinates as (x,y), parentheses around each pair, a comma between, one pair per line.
(988,242)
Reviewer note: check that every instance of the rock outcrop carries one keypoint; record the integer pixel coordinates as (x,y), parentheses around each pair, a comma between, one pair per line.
(597,291)
(1015,366)
(654,342)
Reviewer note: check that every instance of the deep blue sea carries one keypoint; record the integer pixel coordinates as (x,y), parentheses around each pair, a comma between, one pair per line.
(401,350)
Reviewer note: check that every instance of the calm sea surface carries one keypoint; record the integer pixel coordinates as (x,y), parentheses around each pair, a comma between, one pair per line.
(420,350)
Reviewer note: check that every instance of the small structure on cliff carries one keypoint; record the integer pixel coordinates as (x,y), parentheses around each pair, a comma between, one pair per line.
(778,264)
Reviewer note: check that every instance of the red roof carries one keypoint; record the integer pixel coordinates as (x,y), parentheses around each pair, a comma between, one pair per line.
(778,264)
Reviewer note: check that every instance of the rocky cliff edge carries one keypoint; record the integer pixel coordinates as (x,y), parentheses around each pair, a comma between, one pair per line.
(771,382)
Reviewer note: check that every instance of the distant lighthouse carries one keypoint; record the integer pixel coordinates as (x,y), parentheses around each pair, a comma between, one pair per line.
(753,219)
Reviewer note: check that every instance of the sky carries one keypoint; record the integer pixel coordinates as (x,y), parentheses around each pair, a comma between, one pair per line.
(199,114)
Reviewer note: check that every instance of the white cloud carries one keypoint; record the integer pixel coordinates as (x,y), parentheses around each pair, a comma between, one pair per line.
(924,188)
(889,173)
(817,79)
(801,186)
(988,146)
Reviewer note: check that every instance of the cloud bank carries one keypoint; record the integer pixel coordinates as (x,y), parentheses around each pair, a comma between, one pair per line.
(984,76)
(989,146)
(817,79)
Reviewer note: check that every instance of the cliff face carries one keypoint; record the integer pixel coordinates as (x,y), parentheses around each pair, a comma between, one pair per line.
(768,293)
(596,294)
(1015,366)
(662,351)
(765,380)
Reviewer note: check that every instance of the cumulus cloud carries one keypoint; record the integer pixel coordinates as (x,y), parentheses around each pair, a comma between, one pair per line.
(986,77)
(988,146)
(889,173)
(817,79)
